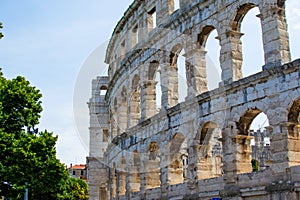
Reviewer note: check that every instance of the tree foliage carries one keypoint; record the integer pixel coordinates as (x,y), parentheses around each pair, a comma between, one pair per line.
(1,35)
(27,158)
(76,189)
(20,104)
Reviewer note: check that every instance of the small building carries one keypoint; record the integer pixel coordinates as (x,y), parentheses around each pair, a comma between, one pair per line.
(78,171)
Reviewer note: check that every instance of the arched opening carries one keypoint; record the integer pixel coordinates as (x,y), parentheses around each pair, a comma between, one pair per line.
(294,119)
(210,154)
(249,40)
(253,141)
(210,51)
(293,127)
(178,159)
(122,176)
(173,5)
(123,110)
(154,90)
(152,166)
(135,101)
(177,60)
(293,16)
(182,82)
(158,90)
(134,177)
(252,43)
(103,90)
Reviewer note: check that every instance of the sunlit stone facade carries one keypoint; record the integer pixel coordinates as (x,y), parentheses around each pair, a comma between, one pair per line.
(149,146)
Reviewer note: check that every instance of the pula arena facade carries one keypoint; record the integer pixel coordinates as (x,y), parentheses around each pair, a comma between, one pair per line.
(199,148)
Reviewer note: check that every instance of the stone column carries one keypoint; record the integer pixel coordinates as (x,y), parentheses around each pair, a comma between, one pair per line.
(142,177)
(280,159)
(148,99)
(164,176)
(204,164)
(275,35)
(122,117)
(243,153)
(231,56)
(135,108)
(113,187)
(192,176)
(196,72)
(169,83)
(229,162)
(113,124)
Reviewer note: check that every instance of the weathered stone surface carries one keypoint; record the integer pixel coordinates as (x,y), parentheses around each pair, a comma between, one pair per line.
(199,148)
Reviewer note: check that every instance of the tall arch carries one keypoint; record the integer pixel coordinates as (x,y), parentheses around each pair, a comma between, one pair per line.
(134,178)
(123,109)
(152,166)
(210,151)
(294,119)
(293,127)
(153,89)
(178,159)
(209,55)
(135,101)
(178,63)
(247,152)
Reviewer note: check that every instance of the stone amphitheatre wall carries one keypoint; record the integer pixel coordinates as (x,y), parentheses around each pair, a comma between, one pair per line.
(199,148)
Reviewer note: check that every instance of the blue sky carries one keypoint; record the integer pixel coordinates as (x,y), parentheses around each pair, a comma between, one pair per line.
(59,45)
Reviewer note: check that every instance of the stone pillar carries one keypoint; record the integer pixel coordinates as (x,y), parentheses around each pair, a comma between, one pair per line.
(122,183)
(196,72)
(229,162)
(134,179)
(135,110)
(192,176)
(143,177)
(163,10)
(169,83)
(164,185)
(113,187)
(122,117)
(148,99)
(280,159)
(231,57)
(275,35)
(204,165)
(113,124)
(243,153)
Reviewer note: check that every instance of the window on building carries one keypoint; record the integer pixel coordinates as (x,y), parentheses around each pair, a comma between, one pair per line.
(152,19)
(74,173)
(82,172)
(176,5)
(135,35)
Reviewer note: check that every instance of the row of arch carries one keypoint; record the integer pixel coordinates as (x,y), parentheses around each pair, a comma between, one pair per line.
(184,158)
(230,55)
(173,75)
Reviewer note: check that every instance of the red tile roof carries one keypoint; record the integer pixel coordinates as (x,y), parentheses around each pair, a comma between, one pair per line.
(81,166)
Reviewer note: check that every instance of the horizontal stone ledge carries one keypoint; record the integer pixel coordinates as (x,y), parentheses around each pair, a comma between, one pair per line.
(245,192)
(209,194)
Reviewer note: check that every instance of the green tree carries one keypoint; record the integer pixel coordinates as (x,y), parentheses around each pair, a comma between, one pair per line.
(77,189)
(27,157)
(1,35)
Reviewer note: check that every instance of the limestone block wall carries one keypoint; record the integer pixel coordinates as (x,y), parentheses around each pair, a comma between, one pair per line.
(142,147)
